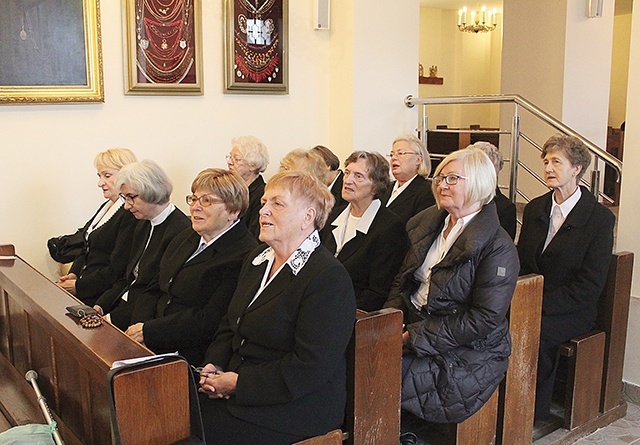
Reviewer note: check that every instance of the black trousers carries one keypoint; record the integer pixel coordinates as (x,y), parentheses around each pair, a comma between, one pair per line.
(221,428)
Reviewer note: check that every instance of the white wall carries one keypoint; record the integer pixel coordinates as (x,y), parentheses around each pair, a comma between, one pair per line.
(47,179)
(628,217)
(619,69)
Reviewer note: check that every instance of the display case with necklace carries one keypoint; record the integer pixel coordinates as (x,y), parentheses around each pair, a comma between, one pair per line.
(164,30)
(257,51)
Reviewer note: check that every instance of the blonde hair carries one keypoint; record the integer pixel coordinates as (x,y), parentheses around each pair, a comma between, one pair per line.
(478,168)
(225,184)
(115,158)
(416,145)
(303,185)
(309,161)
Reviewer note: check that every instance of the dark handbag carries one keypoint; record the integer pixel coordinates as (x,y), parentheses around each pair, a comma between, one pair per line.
(66,248)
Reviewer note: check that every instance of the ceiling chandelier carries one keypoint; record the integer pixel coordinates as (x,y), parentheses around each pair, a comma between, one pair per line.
(481,21)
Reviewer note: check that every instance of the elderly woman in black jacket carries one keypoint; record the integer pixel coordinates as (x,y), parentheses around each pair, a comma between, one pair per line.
(454,288)
(571,250)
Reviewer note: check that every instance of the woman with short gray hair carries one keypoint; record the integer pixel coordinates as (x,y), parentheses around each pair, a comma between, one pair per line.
(145,190)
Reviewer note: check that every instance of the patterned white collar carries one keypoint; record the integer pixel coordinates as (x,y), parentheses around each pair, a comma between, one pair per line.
(298,258)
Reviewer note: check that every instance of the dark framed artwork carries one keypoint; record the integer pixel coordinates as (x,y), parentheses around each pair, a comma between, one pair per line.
(50,51)
(163,47)
(256,46)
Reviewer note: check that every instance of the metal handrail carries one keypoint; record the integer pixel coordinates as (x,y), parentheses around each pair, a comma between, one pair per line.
(614,162)
(516,134)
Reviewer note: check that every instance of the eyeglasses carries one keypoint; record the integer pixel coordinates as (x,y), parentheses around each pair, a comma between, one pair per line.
(449,179)
(129,199)
(398,154)
(233,159)
(205,200)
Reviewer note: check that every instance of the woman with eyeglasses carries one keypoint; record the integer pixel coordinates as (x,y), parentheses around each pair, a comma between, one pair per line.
(249,158)
(108,235)
(198,272)
(368,239)
(146,192)
(410,165)
(454,288)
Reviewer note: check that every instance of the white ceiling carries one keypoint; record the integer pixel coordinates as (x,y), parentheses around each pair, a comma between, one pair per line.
(457,4)
(622,6)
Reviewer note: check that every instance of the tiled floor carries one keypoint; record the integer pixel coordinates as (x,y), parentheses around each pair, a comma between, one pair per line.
(623,431)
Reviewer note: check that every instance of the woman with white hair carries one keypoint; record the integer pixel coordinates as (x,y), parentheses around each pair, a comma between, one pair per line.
(249,158)
(454,288)
(410,166)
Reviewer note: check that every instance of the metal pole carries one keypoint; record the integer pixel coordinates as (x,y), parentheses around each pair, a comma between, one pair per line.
(31,377)
(515,147)
(595,180)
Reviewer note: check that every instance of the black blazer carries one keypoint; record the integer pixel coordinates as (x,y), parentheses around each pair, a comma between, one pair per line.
(506,213)
(251,217)
(289,346)
(192,297)
(148,268)
(372,260)
(106,256)
(576,262)
(414,199)
(336,190)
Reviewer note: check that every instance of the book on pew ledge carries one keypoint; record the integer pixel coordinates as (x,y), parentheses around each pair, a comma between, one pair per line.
(145,359)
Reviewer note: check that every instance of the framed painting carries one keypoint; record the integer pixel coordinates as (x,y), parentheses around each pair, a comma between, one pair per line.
(50,51)
(163,47)
(256,46)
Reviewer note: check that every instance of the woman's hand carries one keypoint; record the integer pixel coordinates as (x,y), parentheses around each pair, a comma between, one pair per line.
(216,384)
(68,283)
(405,338)
(135,332)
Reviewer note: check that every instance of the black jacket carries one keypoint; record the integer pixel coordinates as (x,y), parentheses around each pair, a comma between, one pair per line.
(372,260)
(289,346)
(191,297)
(506,213)
(251,217)
(106,256)
(148,266)
(576,262)
(461,340)
(414,199)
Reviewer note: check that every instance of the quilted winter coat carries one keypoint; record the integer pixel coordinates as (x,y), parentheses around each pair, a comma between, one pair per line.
(460,342)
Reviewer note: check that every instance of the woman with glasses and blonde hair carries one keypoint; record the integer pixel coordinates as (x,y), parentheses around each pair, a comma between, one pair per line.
(410,165)
(108,235)
(146,191)
(454,288)
(249,158)
(198,272)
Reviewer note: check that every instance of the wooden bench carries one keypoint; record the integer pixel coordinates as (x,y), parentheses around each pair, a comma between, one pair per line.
(72,362)
(507,417)
(593,388)
(36,333)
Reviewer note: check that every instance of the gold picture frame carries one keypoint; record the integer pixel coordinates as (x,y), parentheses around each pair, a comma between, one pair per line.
(163,47)
(50,52)
(256,62)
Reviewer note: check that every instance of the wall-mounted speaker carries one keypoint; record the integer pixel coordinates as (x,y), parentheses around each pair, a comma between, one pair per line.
(594,8)
(321,14)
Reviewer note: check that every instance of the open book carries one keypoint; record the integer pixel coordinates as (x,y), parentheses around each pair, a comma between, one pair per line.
(137,360)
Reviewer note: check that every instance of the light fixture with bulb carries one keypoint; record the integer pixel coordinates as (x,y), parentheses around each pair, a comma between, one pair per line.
(481,21)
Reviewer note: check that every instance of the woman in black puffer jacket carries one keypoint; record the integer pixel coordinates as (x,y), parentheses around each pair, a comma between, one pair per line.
(454,288)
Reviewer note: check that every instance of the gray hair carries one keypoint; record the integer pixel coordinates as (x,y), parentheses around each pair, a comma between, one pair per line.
(148,180)
(575,150)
